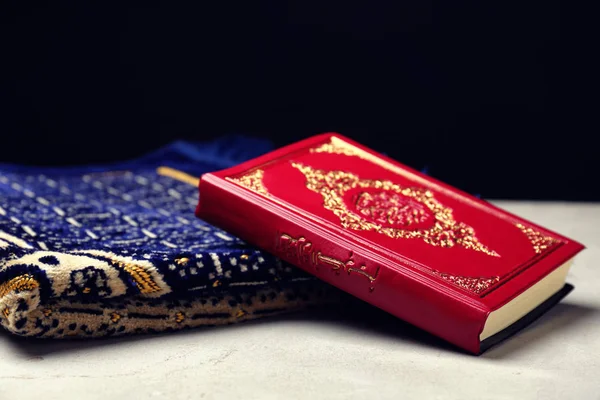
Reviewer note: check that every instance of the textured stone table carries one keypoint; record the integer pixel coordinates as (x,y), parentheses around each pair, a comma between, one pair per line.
(355,354)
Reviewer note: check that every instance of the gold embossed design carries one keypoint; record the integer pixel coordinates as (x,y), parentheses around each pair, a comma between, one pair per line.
(252,181)
(391,209)
(303,251)
(475,285)
(444,230)
(337,146)
(537,239)
(20,283)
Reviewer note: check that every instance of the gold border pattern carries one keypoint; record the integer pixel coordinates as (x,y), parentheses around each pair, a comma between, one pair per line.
(476,285)
(252,181)
(539,242)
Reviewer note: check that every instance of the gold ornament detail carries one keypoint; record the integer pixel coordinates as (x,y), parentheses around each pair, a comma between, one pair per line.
(337,146)
(141,277)
(179,317)
(18,284)
(389,209)
(183,261)
(252,181)
(302,251)
(537,239)
(475,285)
(115,317)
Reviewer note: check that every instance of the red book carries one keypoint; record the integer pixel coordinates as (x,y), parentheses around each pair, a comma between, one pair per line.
(441,259)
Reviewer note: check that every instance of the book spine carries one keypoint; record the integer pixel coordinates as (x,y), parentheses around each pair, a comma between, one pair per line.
(356,270)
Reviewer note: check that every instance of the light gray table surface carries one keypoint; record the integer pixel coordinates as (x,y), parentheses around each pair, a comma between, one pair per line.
(323,354)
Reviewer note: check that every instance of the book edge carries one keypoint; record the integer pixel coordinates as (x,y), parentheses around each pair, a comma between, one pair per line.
(525,321)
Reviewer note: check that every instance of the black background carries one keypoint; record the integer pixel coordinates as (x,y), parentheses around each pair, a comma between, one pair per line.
(486,96)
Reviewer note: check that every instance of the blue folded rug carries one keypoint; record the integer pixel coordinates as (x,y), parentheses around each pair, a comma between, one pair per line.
(115,249)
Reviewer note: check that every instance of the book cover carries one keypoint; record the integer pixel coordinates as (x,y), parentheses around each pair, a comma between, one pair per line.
(441,259)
